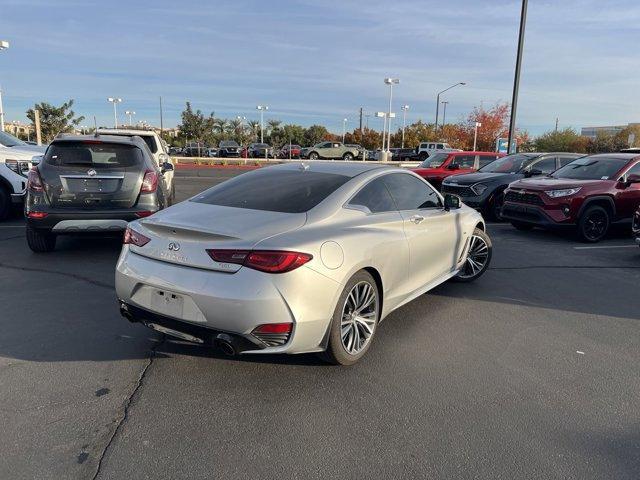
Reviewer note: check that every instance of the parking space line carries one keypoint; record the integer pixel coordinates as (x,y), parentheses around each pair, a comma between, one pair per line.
(11,226)
(606,246)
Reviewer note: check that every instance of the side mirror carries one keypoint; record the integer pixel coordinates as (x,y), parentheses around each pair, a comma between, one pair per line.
(167,167)
(532,173)
(633,178)
(451,202)
(453,166)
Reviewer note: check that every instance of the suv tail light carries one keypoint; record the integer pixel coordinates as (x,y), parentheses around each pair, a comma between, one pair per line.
(273,334)
(34,182)
(131,237)
(270,261)
(149,182)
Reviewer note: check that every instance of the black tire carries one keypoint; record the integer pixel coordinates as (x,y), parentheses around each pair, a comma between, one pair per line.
(347,157)
(495,208)
(40,242)
(523,226)
(314,156)
(5,203)
(336,352)
(593,224)
(481,245)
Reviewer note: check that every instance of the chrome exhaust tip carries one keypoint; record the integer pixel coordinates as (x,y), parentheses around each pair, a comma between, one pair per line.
(226,344)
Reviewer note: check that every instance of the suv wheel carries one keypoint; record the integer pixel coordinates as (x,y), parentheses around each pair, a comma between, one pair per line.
(522,226)
(496,207)
(5,203)
(347,156)
(40,242)
(478,257)
(313,156)
(593,224)
(354,320)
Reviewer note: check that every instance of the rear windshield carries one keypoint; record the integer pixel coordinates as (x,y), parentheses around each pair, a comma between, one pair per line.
(509,164)
(591,168)
(274,190)
(434,161)
(93,155)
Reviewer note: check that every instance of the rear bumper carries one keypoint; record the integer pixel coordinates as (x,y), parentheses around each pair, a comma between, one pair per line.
(83,222)
(18,198)
(235,303)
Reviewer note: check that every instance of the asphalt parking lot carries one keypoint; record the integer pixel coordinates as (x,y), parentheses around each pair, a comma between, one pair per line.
(531,372)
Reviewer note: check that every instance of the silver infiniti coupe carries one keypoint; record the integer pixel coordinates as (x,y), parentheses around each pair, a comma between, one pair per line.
(297,258)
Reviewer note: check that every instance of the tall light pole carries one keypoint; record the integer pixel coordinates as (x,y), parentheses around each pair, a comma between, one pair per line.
(131,113)
(391,82)
(384,128)
(262,108)
(444,112)
(344,128)
(3,46)
(404,121)
(438,101)
(115,101)
(475,135)
(516,80)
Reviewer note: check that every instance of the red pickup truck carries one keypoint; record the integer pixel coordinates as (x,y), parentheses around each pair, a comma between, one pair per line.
(441,165)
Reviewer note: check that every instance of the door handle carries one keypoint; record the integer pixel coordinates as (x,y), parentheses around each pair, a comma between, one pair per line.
(416,219)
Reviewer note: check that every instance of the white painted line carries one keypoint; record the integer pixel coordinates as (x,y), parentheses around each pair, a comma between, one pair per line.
(606,246)
(579,352)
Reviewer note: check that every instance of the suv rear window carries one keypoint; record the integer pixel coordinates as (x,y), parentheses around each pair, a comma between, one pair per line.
(98,155)
(274,190)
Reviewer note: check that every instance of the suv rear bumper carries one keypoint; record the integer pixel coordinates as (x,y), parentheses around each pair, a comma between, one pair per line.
(83,222)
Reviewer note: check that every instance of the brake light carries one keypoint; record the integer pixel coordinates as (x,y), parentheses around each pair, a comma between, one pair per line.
(144,213)
(37,215)
(263,260)
(149,182)
(131,237)
(274,328)
(34,182)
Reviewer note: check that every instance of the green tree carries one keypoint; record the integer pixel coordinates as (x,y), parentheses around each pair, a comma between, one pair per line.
(293,134)
(54,120)
(315,134)
(566,140)
(369,139)
(196,126)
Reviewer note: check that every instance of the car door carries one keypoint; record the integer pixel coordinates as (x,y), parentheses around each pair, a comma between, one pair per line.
(628,196)
(163,157)
(432,232)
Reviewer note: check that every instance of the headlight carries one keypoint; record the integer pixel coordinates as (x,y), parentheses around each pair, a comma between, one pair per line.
(565,192)
(21,167)
(478,188)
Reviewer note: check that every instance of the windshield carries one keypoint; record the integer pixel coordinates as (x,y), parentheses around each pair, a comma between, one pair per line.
(274,190)
(96,155)
(434,161)
(10,141)
(509,164)
(591,168)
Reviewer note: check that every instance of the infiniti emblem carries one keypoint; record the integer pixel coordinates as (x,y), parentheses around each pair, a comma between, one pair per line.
(92,173)
(174,247)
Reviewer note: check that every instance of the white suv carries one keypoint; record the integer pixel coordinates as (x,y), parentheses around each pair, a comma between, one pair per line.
(426,149)
(15,164)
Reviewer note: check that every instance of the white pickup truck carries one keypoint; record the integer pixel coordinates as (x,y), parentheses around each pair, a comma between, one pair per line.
(426,149)
(15,164)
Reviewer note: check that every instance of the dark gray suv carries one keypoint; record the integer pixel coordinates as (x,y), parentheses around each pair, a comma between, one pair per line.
(484,189)
(92,184)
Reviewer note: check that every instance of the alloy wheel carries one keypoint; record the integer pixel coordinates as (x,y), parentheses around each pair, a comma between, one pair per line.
(595,225)
(476,258)
(359,315)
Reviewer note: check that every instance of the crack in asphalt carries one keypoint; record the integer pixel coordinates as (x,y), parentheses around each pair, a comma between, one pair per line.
(127,405)
(55,272)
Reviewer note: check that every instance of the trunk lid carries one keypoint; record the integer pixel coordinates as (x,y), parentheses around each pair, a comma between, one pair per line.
(181,234)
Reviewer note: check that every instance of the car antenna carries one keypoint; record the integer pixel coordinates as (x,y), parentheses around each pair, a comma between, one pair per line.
(95,127)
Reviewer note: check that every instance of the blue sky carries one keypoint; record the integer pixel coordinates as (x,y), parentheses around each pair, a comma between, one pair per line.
(320,61)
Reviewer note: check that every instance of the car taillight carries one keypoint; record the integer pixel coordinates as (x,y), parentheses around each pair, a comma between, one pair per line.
(131,237)
(263,260)
(149,182)
(273,334)
(37,215)
(34,182)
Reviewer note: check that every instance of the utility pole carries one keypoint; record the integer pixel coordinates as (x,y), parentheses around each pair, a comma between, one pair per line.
(404,121)
(475,136)
(360,122)
(516,80)
(36,117)
(438,102)
(161,119)
(556,124)
(3,46)
(444,113)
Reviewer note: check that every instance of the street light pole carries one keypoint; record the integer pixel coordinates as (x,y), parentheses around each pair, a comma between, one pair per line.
(475,135)
(404,121)
(344,128)
(3,46)
(516,80)
(444,113)
(391,82)
(262,108)
(115,101)
(131,113)
(438,101)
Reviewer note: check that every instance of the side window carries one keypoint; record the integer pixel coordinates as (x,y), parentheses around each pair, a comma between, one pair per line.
(486,160)
(375,197)
(635,170)
(440,146)
(546,165)
(566,160)
(325,145)
(411,193)
(464,161)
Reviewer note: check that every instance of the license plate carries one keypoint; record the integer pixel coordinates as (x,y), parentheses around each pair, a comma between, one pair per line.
(167,303)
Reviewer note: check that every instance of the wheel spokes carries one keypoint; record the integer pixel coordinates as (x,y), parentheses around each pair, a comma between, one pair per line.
(359,316)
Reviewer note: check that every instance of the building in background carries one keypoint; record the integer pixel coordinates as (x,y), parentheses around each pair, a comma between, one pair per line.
(592,132)
(20,130)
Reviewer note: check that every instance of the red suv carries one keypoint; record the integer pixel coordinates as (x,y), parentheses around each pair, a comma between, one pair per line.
(588,194)
(441,165)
